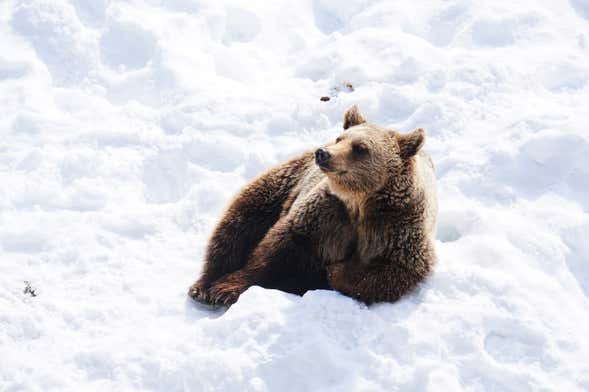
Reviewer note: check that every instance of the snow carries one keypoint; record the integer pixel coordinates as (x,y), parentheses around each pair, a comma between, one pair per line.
(127,126)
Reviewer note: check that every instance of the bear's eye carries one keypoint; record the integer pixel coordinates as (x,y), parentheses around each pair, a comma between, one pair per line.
(339,139)
(359,149)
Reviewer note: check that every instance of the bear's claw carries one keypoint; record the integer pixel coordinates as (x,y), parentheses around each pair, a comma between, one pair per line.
(225,293)
(199,292)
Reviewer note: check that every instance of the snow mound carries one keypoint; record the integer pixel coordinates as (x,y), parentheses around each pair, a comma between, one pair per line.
(127,127)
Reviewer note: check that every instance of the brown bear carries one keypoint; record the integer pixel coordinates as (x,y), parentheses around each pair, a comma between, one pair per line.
(357,216)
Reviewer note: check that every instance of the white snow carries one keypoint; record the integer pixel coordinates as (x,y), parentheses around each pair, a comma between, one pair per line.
(127,126)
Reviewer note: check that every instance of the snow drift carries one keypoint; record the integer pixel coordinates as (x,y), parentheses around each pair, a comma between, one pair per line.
(127,126)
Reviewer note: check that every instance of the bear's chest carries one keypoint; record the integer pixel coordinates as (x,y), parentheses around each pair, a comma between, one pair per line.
(319,216)
(374,231)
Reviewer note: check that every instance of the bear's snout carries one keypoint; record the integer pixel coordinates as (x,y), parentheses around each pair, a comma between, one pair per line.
(322,156)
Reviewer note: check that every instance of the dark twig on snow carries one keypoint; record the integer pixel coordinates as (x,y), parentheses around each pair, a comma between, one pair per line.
(29,290)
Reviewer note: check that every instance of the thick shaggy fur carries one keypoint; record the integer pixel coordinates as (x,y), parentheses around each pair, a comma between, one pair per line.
(362,222)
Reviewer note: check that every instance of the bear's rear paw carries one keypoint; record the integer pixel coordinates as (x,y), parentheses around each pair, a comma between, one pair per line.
(199,292)
(225,293)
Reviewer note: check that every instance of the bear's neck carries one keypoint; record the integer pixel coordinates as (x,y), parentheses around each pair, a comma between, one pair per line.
(355,203)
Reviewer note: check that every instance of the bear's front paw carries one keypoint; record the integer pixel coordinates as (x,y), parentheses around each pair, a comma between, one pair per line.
(225,293)
(199,292)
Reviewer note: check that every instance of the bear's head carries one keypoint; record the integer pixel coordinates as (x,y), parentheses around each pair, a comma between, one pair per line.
(366,157)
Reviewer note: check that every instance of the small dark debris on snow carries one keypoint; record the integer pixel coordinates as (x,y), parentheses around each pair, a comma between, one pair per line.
(345,87)
(29,290)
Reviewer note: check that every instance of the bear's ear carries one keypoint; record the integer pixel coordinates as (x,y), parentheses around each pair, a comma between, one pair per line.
(411,143)
(353,117)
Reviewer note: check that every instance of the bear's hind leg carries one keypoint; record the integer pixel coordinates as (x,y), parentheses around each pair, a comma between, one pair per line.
(376,282)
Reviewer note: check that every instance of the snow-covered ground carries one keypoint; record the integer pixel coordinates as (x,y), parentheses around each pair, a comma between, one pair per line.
(126,126)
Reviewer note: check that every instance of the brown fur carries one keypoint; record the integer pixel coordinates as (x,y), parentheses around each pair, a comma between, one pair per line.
(353,117)
(363,223)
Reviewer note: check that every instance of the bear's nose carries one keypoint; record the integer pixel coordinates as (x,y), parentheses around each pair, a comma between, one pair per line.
(322,156)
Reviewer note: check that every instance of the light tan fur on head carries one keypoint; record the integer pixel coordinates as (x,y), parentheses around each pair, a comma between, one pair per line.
(365,157)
